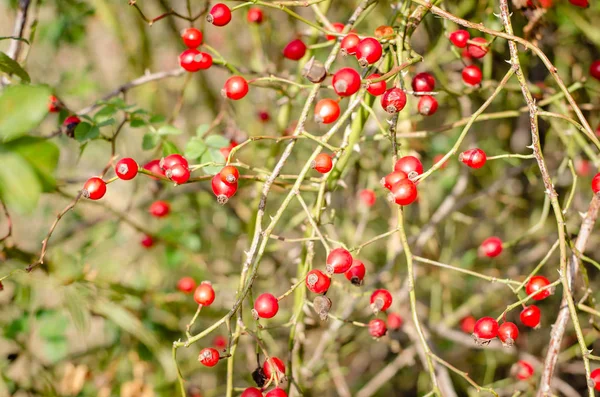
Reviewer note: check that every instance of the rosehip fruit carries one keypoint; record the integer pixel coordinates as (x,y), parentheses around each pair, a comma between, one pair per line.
(236,87)
(524,370)
(595,376)
(209,357)
(317,281)
(582,4)
(368,51)
(186,285)
(54,104)
(266,306)
(491,247)
(179,174)
(192,37)
(94,188)
(596,183)
(220,15)
(508,333)
(274,367)
(595,69)
(226,150)
(381,300)
(392,178)
(277,392)
(410,165)
(459,38)
(70,124)
(377,328)
(160,209)
(394,321)
(203,61)
(367,196)
(147,241)
(393,100)
(437,158)
(338,27)
(467,324)
(356,273)
(474,158)
(484,330)
(339,260)
(154,167)
(229,174)
(378,88)
(255,15)
(530,316)
(190,60)
(172,160)
(204,294)
(349,44)
(423,82)
(427,105)
(252,392)
(535,284)
(346,82)
(583,167)
(126,168)
(472,75)
(404,192)
(220,342)
(327,111)
(478,50)
(223,190)
(294,50)
(322,163)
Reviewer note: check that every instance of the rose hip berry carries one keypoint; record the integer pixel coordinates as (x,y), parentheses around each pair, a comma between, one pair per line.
(491,247)
(356,273)
(367,196)
(192,37)
(252,392)
(338,27)
(266,306)
(472,75)
(209,357)
(377,328)
(368,51)
(172,160)
(484,330)
(154,167)
(582,4)
(255,15)
(274,367)
(229,174)
(277,392)
(596,183)
(70,124)
(322,163)
(508,333)
(474,158)
(236,87)
(530,316)
(404,192)
(595,376)
(423,82)
(225,151)
(393,100)
(381,300)
(595,69)
(179,174)
(327,111)
(378,88)
(392,178)
(427,105)
(346,82)
(437,158)
(467,324)
(294,50)
(190,60)
(349,44)
(524,370)
(147,241)
(54,104)
(317,281)
(339,260)
(410,165)
(94,188)
(459,38)
(220,15)
(126,168)
(186,285)
(394,321)
(479,49)
(535,284)
(160,209)
(204,294)
(223,190)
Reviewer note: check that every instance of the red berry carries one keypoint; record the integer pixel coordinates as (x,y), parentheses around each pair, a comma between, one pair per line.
(209,357)
(252,392)
(317,281)
(346,82)
(338,27)
(255,15)
(356,273)
(204,60)
(192,37)
(368,51)
(322,163)
(154,167)
(427,105)
(219,15)
(367,196)
(186,285)
(54,104)
(274,367)
(478,50)
(179,174)
(226,150)
(190,60)
(423,82)
(524,370)
(94,188)
(437,158)
(459,38)
(596,183)
(535,284)
(220,341)
(223,190)
(160,209)
(327,111)
(377,328)
(172,160)
(229,174)
(491,247)
(410,165)
(338,261)
(595,69)
(266,306)
(467,324)
(349,44)
(70,124)
(508,333)
(394,321)
(472,75)
(485,329)
(236,87)
(204,294)
(147,241)
(583,167)
(381,300)
(595,376)
(530,316)
(393,100)
(404,192)
(294,50)
(582,4)
(378,88)
(474,158)
(277,392)
(126,168)
(393,178)
(264,116)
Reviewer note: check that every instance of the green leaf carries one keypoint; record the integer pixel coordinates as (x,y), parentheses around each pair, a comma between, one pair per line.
(195,149)
(157,118)
(20,187)
(15,327)
(201,130)
(106,122)
(51,324)
(212,155)
(55,350)
(217,141)
(137,123)
(86,131)
(105,113)
(150,141)
(41,154)
(168,148)
(10,66)
(169,130)
(23,107)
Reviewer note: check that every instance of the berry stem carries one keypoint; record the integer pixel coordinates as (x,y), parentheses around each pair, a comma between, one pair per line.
(312,222)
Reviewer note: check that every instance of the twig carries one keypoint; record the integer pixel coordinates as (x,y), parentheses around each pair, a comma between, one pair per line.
(20,21)
(8,221)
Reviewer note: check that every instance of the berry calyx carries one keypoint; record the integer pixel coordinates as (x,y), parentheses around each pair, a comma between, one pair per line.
(54,104)
(236,87)
(491,247)
(479,48)
(368,51)
(172,160)
(536,283)
(94,188)
(277,392)
(484,330)
(393,100)
(423,82)
(508,333)
(524,370)
(378,88)
(327,111)
(229,174)
(338,27)
(381,300)
(472,75)
(126,168)
(255,15)
(404,192)
(596,183)
(392,178)
(346,82)
(339,260)
(349,44)
(209,356)
(427,105)
(186,285)
(394,321)
(147,241)
(275,367)
(204,294)
(160,209)
(154,167)
(356,273)
(322,163)
(530,316)
(317,281)
(467,324)
(192,37)
(223,190)
(220,15)
(252,392)
(459,38)
(377,328)
(474,158)
(595,69)
(266,306)
(294,50)
(367,196)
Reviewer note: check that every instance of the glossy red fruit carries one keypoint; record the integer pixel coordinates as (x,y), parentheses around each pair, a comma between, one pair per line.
(54,104)
(423,82)
(346,82)
(392,178)
(356,273)
(94,188)
(595,376)
(229,174)
(524,370)
(192,37)
(535,284)
(367,196)
(530,316)
(474,158)
(410,165)
(220,15)
(70,124)
(381,300)
(317,281)
(277,392)
(437,158)
(172,160)
(266,306)
(472,75)
(186,285)
(160,209)
(179,174)
(255,15)
(467,324)
(394,321)
(236,87)
(252,392)
(223,190)
(147,241)
(368,51)
(378,88)
(377,328)
(204,294)
(427,105)
(274,367)
(582,4)
(393,100)
(508,333)
(596,183)
(404,192)
(491,247)
(338,261)
(479,48)
(327,111)
(264,116)
(322,163)
(349,44)
(204,60)
(595,69)
(154,167)
(190,60)
(337,27)
(485,329)
(126,168)
(459,38)
(209,356)
(226,150)
(294,50)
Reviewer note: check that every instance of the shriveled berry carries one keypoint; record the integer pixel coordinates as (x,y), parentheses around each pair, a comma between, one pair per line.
(229,174)
(322,163)
(427,105)
(596,183)
(378,88)
(384,31)
(154,167)
(126,168)
(491,247)
(192,37)
(294,50)
(255,15)
(266,306)
(530,316)
(479,48)
(410,165)
(338,261)
(327,111)
(474,158)
(524,370)
(277,392)
(223,190)
(209,356)
(220,15)
(392,178)
(172,160)
(204,294)
(338,27)
(236,87)
(275,367)
(349,44)
(423,82)
(536,283)
(252,392)
(459,38)
(467,324)
(94,188)
(472,75)
(367,196)
(404,192)
(595,69)
(147,241)
(394,321)
(317,281)
(322,306)
(377,328)
(393,100)
(368,51)
(160,209)
(381,300)
(346,82)
(179,174)
(356,273)
(485,329)
(508,333)
(186,285)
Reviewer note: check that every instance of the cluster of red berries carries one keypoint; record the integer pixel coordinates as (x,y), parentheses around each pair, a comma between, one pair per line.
(400,182)
(191,59)
(475,48)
